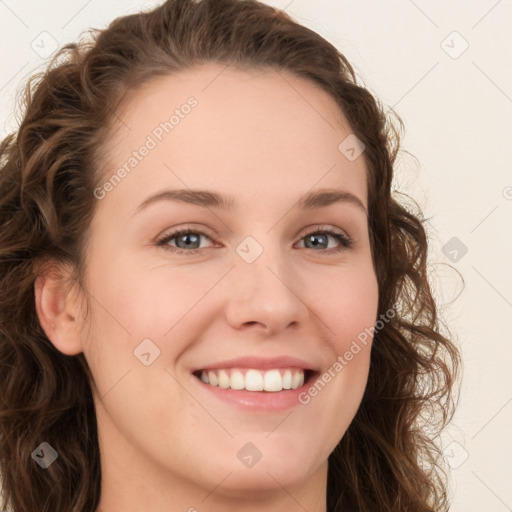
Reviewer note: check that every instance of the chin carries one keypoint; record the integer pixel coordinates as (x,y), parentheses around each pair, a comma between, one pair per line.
(272,477)
(270,469)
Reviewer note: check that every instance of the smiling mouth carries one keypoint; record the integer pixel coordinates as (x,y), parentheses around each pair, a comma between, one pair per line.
(249,379)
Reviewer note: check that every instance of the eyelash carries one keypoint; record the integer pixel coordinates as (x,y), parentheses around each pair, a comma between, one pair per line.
(345,241)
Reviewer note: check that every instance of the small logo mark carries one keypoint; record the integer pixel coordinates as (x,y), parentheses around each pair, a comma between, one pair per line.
(454,45)
(455,454)
(249,455)
(249,249)
(351,147)
(44,45)
(146,352)
(44,455)
(454,249)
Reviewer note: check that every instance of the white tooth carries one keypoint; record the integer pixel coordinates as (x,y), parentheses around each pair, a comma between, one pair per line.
(237,380)
(223,379)
(253,380)
(214,381)
(272,381)
(297,377)
(287,379)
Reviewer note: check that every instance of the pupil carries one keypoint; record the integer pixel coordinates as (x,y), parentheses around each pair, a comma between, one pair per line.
(187,238)
(314,239)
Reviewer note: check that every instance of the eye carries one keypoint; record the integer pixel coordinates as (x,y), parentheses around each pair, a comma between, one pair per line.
(186,240)
(326,232)
(186,237)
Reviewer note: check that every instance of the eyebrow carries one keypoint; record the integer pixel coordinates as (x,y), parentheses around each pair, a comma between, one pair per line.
(210,199)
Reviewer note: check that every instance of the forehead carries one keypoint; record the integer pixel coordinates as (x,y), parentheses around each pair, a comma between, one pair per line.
(215,126)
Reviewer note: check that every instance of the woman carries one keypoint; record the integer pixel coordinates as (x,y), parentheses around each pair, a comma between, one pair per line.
(210,298)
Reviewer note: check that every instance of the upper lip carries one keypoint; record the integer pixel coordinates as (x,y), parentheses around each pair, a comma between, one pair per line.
(261,363)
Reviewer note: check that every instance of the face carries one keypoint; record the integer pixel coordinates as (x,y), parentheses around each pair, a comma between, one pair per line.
(260,291)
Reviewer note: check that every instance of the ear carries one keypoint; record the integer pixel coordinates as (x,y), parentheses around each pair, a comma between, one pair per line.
(57,307)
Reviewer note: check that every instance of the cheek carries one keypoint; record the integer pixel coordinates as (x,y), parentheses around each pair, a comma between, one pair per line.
(130,300)
(348,306)
(131,305)
(348,312)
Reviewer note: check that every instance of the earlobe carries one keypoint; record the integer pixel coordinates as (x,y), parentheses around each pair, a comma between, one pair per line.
(57,310)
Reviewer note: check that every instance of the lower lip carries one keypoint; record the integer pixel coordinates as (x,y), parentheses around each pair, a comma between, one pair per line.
(256,400)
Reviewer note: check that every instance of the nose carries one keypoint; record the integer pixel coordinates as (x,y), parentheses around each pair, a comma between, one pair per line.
(265,295)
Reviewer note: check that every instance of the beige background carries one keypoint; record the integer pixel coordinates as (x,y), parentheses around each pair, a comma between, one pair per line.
(454,93)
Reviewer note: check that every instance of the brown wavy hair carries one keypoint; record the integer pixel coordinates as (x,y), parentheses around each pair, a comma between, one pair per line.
(49,169)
